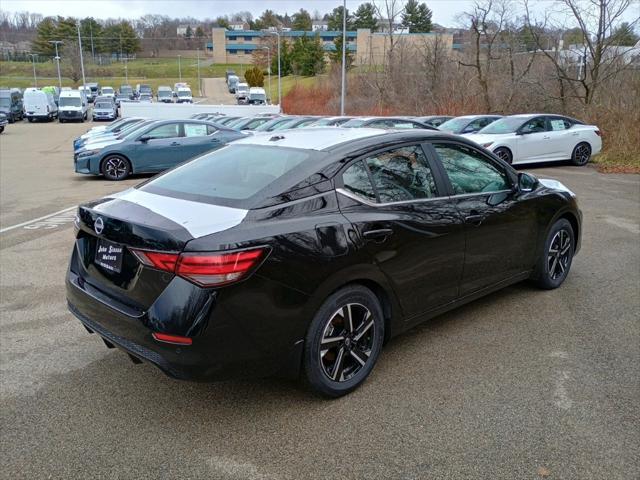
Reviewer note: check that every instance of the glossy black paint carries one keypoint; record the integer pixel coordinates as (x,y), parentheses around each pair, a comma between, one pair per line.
(425,257)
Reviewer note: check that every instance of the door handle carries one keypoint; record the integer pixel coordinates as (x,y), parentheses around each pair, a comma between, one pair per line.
(546,137)
(175,144)
(380,234)
(474,219)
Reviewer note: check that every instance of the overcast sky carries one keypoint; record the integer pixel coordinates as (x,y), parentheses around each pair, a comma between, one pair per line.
(444,11)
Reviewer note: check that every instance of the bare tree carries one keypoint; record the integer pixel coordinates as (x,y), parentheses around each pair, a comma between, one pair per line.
(584,72)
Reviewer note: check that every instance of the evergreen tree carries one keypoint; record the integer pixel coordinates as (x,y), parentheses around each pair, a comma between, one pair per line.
(336,55)
(417,17)
(46,31)
(307,56)
(254,77)
(365,17)
(624,35)
(301,21)
(334,20)
(199,32)
(285,59)
(188,33)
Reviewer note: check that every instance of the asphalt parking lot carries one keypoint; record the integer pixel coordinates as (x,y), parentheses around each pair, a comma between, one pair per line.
(522,384)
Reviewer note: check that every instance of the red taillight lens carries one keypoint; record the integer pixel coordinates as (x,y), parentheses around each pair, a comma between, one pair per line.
(206,269)
(217,269)
(175,339)
(159,260)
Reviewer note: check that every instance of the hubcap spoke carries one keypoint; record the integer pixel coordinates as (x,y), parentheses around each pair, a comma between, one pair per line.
(332,342)
(338,367)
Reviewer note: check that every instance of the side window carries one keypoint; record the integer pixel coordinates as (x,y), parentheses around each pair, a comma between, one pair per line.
(211,129)
(403,124)
(402,174)
(469,171)
(380,124)
(195,130)
(356,180)
(169,130)
(535,125)
(559,124)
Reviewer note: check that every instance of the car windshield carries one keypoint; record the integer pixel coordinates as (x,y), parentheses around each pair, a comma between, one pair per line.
(454,125)
(184,93)
(229,175)
(69,102)
(107,90)
(104,105)
(145,89)
(257,96)
(164,93)
(503,125)
(126,90)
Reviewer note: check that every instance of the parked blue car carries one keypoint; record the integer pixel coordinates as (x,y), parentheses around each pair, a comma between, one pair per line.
(154,148)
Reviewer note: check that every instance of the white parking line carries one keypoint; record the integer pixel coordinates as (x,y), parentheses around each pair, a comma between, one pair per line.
(39,219)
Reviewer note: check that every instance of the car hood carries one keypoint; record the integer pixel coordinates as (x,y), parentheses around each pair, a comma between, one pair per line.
(482,138)
(103,110)
(99,144)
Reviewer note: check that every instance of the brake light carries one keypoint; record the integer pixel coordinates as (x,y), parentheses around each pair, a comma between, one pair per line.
(205,269)
(209,269)
(598,132)
(175,339)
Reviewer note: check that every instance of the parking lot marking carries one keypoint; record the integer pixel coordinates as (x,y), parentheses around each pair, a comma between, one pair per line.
(44,221)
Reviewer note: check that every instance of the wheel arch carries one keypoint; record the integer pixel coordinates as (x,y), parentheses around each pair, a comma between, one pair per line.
(575,224)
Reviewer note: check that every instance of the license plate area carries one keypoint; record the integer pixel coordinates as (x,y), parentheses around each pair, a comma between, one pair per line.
(109,255)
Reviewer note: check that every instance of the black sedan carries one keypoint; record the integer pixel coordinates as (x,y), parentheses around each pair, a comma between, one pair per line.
(304,251)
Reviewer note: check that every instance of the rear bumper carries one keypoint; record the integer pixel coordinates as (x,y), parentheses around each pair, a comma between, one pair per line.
(227,343)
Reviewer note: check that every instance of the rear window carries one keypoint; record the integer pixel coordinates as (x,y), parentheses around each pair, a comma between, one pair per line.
(232,176)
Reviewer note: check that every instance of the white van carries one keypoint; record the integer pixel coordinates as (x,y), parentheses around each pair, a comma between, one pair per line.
(184,95)
(257,96)
(72,105)
(39,105)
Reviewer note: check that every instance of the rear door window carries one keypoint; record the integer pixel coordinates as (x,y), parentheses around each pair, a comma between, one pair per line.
(559,124)
(195,130)
(356,180)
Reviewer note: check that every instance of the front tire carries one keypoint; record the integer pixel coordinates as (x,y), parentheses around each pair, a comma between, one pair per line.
(554,263)
(115,168)
(504,154)
(581,154)
(344,341)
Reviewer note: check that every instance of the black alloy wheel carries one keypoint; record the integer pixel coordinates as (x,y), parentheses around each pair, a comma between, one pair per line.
(581,154)
(344,341)
(553,267)
(115,167)
(504,154)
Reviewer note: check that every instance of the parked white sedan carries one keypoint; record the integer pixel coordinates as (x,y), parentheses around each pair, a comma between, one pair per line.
(540,138)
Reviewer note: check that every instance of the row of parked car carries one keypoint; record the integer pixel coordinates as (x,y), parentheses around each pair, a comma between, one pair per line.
(139,145)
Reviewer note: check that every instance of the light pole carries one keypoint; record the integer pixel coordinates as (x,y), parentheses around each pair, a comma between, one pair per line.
(179,68)
(199,83)
(126,72)
(33,61)
(84,81)
(268,49)
(275,32)
(344,55)
(56,43)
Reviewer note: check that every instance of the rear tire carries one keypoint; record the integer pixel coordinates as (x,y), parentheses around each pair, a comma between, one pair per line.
(581,154)
(504,154)
(115,167)
(60,120)
(344,341)
(557,255)
(30,119)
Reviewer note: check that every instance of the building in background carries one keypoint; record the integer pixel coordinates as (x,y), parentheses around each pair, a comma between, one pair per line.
(237,46)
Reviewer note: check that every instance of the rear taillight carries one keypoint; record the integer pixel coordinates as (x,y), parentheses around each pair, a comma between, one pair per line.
(205,269)
(598,132)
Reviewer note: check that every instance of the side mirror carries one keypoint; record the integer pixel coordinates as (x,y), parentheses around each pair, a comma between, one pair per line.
(526,182)
(144,139)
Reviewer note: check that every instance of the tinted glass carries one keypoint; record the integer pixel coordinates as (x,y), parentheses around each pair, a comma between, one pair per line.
(402,174)
(236,172)
(536,125)
(69,102)
(104,105)
(356,180)
(558,124)
(184,93)
(353,123)
(195,130)
(403,124)
(469,171)
(169,130)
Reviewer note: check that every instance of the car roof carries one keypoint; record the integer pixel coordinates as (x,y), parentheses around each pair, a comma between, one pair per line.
(321,138)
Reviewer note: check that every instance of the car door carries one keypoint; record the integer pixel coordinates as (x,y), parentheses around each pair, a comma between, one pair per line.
(395,201)
(532,141)
(500,222)
(199,138)
(159,147)
(561,140)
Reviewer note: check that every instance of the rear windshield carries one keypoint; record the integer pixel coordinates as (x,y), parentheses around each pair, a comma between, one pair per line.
(454,125)
(231,176)
(104,105)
